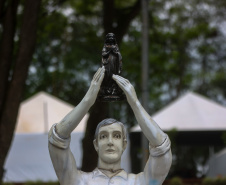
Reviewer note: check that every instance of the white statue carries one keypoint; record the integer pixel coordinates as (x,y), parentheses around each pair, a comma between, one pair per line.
(110,142)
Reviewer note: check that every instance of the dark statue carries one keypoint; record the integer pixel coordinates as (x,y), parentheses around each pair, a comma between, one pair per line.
(112,61)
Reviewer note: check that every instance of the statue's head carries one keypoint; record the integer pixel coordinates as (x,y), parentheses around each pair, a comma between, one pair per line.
(110,140)
(110,39)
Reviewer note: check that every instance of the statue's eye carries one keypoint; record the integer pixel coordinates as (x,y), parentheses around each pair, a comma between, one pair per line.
(117,136)
(103,136)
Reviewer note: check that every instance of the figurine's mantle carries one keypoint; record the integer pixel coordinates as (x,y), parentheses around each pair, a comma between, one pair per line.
(112,62)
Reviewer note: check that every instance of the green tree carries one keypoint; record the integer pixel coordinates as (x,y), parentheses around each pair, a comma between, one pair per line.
(14,62)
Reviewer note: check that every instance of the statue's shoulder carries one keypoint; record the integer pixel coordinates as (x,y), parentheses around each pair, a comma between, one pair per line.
(132,175)
(137,179)
(86,175)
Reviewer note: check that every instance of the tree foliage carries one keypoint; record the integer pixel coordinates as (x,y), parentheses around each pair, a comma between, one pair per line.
(186,49)
(15,58)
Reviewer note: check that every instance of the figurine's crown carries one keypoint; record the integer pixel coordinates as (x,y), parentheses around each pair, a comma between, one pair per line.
(110,35)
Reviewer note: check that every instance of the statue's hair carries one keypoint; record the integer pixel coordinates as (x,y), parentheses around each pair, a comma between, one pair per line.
(110,121)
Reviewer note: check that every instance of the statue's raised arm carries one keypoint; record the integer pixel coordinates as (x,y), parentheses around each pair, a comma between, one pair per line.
(148,126)
(70,121)
(59,135)
(160,157)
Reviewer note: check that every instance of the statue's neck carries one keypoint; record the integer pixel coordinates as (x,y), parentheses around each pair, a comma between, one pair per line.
(110,173)
(111,167)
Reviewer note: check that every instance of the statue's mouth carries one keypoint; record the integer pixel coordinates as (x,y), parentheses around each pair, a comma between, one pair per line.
(110,150)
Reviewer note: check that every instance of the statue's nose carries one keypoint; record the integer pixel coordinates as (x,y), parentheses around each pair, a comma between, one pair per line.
(110,142)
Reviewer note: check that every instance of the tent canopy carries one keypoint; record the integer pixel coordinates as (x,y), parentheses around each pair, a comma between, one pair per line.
(190,112)
(29,159)
(38,113)
(217,165)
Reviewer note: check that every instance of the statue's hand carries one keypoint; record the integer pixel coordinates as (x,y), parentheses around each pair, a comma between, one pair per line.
(127,88)
(94,88)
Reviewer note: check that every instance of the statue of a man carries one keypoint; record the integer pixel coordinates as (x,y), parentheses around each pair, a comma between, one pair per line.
(110,142)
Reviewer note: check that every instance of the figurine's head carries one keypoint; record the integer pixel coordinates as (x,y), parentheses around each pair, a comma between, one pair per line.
(110,39)
(110,140)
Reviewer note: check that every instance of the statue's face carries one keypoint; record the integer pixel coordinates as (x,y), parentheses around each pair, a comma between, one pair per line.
(110,144)
(110,38)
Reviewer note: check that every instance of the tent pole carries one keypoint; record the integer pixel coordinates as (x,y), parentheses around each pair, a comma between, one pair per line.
(144,72)
(45,113)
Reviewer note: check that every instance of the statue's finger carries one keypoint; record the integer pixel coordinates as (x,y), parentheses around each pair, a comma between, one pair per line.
(116,78)
(127,81)
(101,76)
(122,80)
(96,74)
(121,83)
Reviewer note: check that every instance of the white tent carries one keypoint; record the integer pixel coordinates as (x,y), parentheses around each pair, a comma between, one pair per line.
(38,113)
(29,160)
(217,164)
(191,112)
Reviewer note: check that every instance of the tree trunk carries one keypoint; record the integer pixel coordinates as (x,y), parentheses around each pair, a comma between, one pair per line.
(113,16)
(100,110)
(108,15)
(6,48)
(14,92)
(123,21)
(2,3)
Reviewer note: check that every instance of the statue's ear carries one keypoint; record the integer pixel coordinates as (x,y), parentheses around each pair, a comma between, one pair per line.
(124,144)
(95,144)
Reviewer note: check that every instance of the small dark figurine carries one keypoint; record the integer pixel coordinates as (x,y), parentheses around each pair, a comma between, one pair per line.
(112,61)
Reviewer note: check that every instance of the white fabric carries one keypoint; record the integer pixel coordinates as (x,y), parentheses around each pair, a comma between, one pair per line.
(56,140)
(191,112)
(96,177)
(160,150)
(28,158)
(217,165)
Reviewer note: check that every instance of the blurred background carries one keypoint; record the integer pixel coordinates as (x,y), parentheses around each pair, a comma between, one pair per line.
(173,52)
